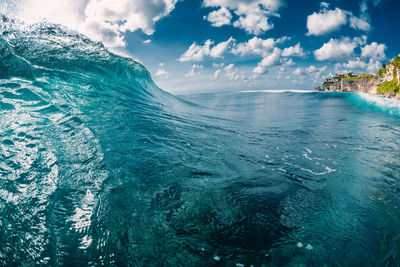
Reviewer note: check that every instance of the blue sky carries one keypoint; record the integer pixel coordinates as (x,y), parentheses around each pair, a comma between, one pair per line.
(224,45)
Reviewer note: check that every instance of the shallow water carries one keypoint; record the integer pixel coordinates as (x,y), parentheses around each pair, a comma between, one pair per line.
(99,166)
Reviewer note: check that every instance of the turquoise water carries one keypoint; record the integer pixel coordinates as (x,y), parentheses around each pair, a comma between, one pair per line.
(100,166)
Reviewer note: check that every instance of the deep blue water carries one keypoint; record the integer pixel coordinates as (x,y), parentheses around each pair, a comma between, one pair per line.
(99,166)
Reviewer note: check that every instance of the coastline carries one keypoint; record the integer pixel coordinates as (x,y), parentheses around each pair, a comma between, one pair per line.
(385,83)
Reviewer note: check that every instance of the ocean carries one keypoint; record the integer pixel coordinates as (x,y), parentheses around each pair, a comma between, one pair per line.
(98,166)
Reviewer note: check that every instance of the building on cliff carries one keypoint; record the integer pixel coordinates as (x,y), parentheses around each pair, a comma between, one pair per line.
(385,82)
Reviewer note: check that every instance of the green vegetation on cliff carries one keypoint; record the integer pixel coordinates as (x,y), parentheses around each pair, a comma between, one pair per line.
(382,71)
(366,76)
(396,62)
(390,87)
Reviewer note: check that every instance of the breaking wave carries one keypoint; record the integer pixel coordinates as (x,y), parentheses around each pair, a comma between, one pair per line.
(98,166)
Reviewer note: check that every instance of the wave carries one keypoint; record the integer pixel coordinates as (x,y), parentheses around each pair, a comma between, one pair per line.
(99,166)
(389,105)
(75,121)
(359,100)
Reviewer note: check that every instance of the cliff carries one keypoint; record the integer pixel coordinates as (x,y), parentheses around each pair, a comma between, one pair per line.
(384,83)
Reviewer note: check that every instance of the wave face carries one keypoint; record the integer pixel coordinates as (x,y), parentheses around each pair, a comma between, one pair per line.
(100,166)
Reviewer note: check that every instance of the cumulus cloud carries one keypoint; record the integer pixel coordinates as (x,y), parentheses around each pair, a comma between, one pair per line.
(218,50)
(327,21)
(370,66)
(102,20)
(296,51)
(229,72)
(199,52)
(196,52)
(195,70)
(373,66)
(352,65)
(338,49)
(312,72)
(360,23)
(253,15)
(325,4)
(218,65)
(299,71)
(372,56)
(289,62)
(277,56)
(272,59)
(161,72)
(257,46)
(219,17)
(374,51)
(217,74)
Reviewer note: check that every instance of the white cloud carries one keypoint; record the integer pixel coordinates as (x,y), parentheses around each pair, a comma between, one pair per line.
(230,73)
(270,60)
(360,24)
(253,15)
(253,19)
(147,41)
(325,4)
(270,5)
(218,50)
(229,67)
(218,65)
(374,50)
(197,52)
(219,17)
(326,21)
(289,62)
(364,4)
(296,50)
(352,65)
(370,61)
(162,73)
(338,49)
(102,20)
(299,71)
(371,66)
(312,68)
(312,72)
(195,70)
(217,74)
(257,46)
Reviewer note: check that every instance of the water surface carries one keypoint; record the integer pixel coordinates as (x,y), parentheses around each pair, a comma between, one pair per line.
(99,166)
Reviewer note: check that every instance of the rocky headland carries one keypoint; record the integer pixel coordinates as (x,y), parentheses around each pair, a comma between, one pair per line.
(384,83)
